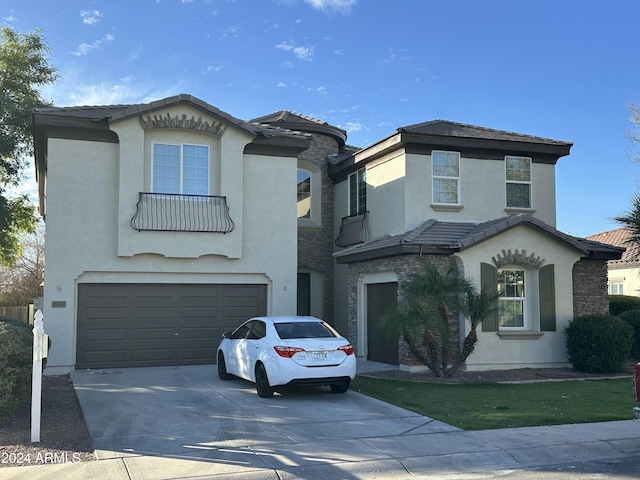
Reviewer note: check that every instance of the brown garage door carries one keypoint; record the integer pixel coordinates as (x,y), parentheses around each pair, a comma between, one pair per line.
(138,325)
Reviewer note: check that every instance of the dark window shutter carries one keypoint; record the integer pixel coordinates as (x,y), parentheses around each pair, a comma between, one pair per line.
(489,282)
(547,299)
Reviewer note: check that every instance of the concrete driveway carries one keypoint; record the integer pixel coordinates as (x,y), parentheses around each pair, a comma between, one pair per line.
(150,417)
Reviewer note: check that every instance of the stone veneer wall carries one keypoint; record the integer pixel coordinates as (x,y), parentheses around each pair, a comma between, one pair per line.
(315,245)
(404,266)
(590,295)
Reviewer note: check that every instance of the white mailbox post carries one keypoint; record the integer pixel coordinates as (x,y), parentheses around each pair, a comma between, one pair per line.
(36,377)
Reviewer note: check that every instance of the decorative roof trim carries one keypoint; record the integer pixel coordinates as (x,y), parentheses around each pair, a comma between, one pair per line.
(518,258)
(184,123)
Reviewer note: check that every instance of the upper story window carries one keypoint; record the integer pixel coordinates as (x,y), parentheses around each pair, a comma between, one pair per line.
(512,303)
(518,176)
(446,177)
(304,194)
(358,192)
(181,168)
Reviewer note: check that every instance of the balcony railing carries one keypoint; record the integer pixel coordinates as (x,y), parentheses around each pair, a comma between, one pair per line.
(168,212)
(354,230)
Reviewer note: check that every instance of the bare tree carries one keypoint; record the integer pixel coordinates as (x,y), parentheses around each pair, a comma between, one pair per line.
(22,282)
(634,132)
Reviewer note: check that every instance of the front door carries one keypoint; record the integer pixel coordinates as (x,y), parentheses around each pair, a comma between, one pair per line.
(381,297)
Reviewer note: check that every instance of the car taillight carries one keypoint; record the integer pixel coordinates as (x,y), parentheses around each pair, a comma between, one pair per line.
(348,349)
(287,352)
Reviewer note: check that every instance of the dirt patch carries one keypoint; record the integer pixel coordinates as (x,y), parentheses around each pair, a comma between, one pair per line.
(64,437)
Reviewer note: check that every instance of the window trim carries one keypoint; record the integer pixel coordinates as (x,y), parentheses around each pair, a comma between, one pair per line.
(618,283)
(181,180)
(314,220)
(309,214)
(361,184)
(526,323)
(457,179)
(519,182)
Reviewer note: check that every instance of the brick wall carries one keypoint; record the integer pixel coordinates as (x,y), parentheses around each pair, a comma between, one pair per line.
(404,266)
(590,287)
(315,245)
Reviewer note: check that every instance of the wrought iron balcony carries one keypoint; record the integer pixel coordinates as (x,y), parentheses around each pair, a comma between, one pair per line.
(168,212)
(354,230)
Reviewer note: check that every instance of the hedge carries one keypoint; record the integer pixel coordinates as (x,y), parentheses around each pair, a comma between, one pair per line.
(16,347)
(598,343)
(623,303)
(632,317)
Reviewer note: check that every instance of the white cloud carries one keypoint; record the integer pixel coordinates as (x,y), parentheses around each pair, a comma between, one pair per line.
(10,19)
(231,32)
(321,90)
(342,6)
(90,17)
(79,88)
(303,53)
(212,68)
(352,127)
(86,48)
(281,85)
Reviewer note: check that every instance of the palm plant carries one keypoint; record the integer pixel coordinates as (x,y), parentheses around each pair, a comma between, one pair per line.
(631,220)
(424,314)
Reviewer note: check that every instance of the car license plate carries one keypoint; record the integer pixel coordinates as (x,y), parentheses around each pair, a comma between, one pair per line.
(320,355)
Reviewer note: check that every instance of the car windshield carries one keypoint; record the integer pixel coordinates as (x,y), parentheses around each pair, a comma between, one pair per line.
(288,330)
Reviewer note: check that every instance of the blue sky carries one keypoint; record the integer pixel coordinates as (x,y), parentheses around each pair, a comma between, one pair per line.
(566,69)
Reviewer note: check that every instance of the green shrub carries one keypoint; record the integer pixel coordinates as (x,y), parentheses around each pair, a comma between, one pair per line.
(623,303)
(598,343)
(16,346)
(632,317)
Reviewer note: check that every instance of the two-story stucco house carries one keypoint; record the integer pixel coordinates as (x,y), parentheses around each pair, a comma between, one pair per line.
(170,222)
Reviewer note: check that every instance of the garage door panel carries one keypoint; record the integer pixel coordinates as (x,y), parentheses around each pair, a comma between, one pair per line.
(122,325)
(103,335)
(115,357)
(153,333)
(190,356)
(199,312)
(154,312)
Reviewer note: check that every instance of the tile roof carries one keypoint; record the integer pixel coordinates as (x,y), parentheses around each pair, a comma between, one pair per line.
(121,112)
(620,238)
(296,121)
(288,116)
(462,130)
(445,238)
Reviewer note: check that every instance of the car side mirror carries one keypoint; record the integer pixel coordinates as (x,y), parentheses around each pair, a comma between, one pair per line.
(226,335)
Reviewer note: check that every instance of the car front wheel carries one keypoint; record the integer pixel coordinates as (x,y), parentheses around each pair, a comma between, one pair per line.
(339,387)
(262,382)
(222,368)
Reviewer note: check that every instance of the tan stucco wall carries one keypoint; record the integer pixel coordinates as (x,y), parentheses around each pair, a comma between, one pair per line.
(89,239)
(399,193)
(548,350)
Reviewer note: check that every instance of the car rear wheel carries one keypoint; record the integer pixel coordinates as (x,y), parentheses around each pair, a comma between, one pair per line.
(339,387)
(222,368)
(262,382)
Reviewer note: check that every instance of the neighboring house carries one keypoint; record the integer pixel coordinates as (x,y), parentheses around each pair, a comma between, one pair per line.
(168,223)
(624,273)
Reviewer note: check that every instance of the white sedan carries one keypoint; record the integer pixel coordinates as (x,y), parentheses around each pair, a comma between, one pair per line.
(272,351)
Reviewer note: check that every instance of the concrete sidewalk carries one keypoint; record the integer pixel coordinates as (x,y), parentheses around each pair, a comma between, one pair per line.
(185,423)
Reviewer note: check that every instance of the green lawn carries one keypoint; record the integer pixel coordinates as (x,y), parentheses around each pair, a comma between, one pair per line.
(480,406)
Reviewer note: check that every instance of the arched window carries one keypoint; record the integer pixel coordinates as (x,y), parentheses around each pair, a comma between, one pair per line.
(304,193)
